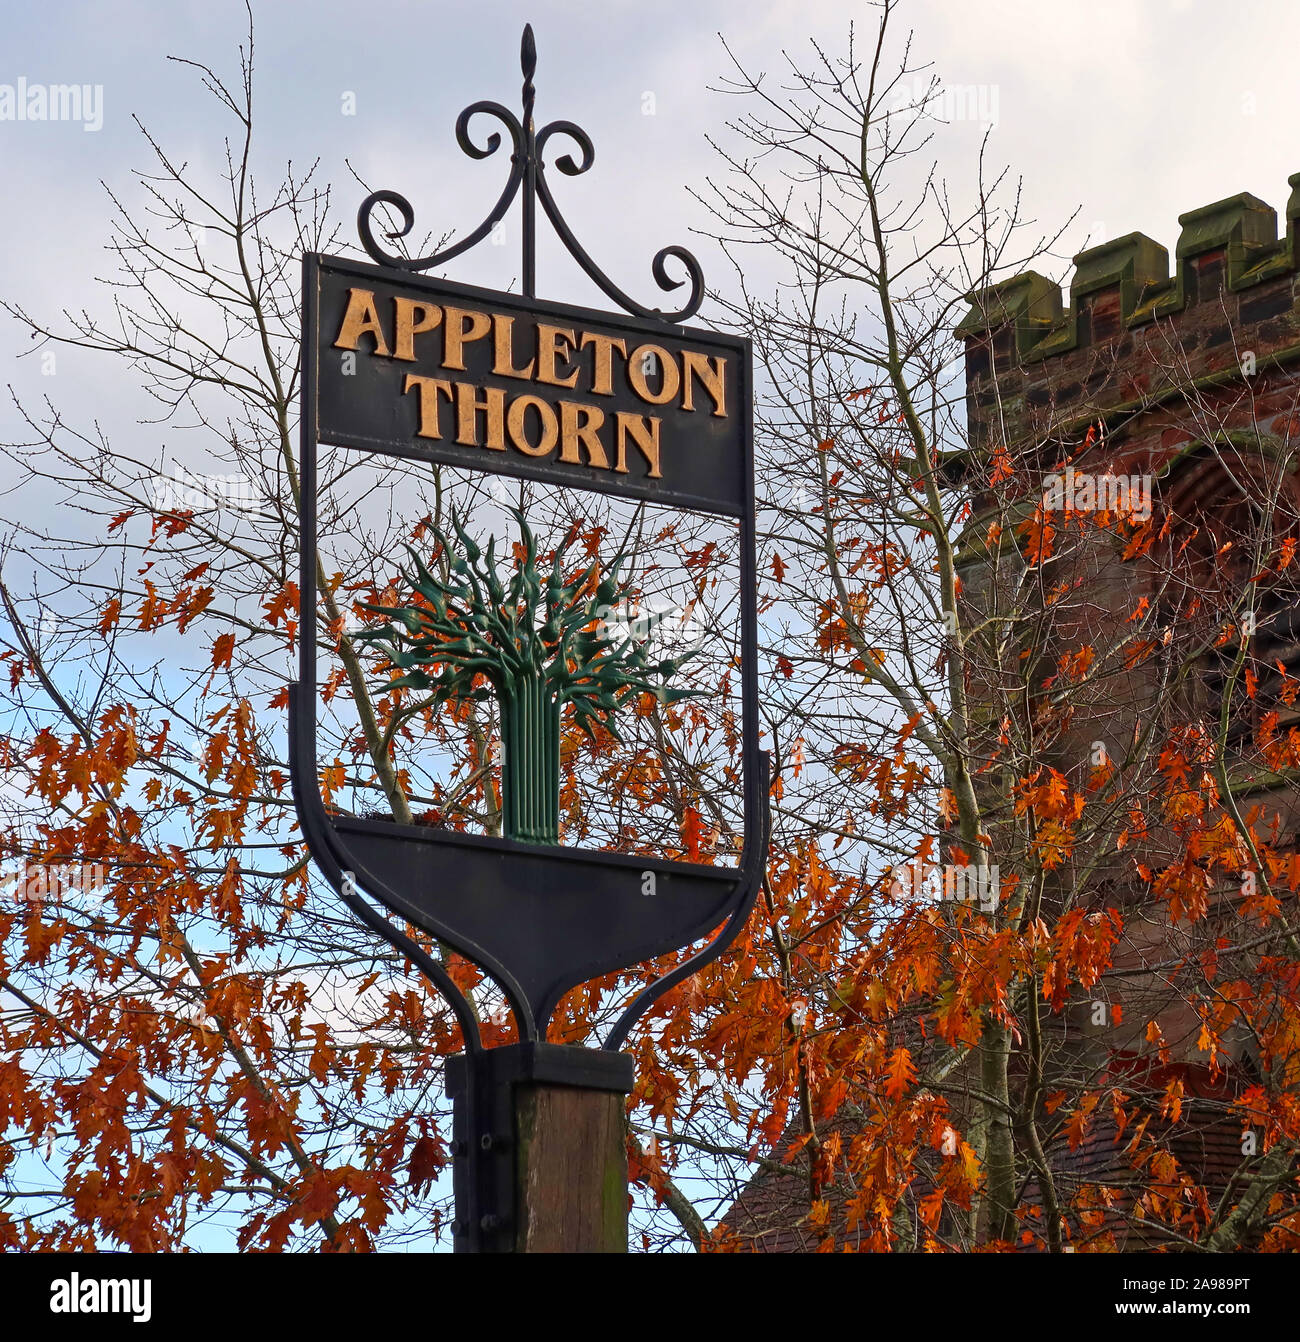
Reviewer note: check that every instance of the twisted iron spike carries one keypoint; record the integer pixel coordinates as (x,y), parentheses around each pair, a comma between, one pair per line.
(528,63)
(528,242)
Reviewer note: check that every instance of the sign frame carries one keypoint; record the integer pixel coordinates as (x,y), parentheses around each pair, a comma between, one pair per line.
(538,919)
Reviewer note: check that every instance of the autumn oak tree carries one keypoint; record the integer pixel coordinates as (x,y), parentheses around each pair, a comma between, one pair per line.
(985,951)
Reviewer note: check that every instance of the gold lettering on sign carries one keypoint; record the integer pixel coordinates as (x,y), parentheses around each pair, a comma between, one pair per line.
(461,327)
(408,325)
(636,374)
(579,424)
(577,431)
(361,319)
(710,373)
(643,430)
(430,388)
(503,356)
(492,407)
(516,422)
(603,380)
(555,342)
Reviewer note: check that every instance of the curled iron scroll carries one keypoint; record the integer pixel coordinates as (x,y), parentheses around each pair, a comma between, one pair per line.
(403,206)
(661,277)
(529,171)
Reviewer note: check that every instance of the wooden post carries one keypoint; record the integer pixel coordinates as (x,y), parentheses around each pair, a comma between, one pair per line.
(540,1149)
(571,1167)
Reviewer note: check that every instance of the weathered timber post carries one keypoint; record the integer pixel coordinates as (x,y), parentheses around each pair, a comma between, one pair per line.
(541,1167)
(571,1170)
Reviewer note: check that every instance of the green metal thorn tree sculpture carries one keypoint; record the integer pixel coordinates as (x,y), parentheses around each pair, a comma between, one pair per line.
(539,645)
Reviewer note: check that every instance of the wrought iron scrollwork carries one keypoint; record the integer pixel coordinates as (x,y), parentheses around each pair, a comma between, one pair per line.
(528,172)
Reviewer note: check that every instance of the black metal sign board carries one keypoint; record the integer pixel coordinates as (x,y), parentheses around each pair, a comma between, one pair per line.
(425,368)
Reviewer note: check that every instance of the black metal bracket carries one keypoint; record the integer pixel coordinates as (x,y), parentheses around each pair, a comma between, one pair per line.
(528,171)
(485,1137)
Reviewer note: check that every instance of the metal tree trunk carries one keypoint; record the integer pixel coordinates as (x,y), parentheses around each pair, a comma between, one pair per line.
(530,772)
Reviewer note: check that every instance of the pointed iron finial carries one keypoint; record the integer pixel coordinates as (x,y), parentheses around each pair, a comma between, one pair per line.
(528,63)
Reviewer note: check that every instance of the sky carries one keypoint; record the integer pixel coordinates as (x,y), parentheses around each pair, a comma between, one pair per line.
(1128,111)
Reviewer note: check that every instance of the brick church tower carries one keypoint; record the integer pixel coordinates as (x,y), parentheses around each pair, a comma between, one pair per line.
(1175,400)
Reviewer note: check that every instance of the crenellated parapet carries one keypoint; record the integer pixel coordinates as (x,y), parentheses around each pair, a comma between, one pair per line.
(1132,334)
